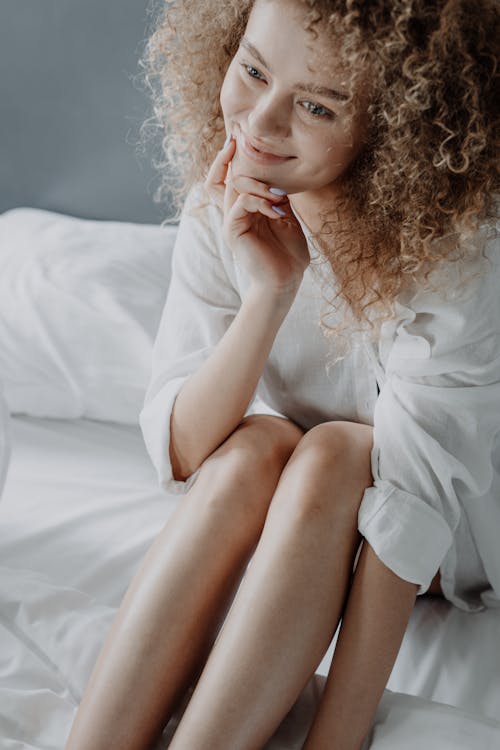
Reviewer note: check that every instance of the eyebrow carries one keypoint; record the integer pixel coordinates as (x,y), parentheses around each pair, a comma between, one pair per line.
(311,88)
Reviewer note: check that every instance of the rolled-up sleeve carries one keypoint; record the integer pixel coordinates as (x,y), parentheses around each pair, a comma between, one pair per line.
(435,422)
(200,306)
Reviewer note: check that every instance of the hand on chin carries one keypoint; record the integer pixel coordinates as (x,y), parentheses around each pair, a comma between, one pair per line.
(241,167)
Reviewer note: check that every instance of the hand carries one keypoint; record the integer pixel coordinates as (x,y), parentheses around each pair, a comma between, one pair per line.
(271,248)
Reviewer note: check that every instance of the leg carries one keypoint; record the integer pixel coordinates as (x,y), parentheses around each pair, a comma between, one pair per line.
(435,587)
(167,620)
(290,601)
(375,619)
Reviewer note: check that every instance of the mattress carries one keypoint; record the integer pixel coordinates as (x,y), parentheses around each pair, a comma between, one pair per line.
(80,508)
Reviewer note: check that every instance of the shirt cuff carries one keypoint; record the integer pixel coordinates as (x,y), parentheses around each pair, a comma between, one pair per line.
(408,536)
(154,420)
(259,406)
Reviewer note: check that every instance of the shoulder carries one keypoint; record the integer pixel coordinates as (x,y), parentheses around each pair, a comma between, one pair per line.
(200,246)
(200,224)
(198,207)
(473,268)
(456,321)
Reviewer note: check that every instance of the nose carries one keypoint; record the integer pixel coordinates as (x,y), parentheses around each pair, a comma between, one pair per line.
(270,116)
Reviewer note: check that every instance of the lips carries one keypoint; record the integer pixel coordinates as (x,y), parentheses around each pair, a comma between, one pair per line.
(253,149)
(262,148)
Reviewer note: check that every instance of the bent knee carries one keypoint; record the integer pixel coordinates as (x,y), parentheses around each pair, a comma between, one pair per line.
(254,454)
(270,437)
(329,471)
(340,450)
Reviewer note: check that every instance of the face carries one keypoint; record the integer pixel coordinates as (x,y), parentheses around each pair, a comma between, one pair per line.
(283,98)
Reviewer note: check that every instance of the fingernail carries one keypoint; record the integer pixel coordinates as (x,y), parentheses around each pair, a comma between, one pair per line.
(277,191)
(227,141)
(279,210)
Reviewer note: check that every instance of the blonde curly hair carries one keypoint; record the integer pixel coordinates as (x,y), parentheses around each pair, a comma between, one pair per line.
(427,177)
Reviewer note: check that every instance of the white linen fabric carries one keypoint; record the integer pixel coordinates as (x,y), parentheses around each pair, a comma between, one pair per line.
(80,303)
(401,721)
(5,446)
(435,499)
(436,455)
(462,643)
(81,508)
(204,296)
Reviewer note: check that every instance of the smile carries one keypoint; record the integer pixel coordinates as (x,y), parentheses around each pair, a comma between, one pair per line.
(261,157)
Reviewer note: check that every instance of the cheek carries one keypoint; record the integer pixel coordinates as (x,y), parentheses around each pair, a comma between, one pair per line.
(232,97)
(339,153)
(225,97)
(321,155)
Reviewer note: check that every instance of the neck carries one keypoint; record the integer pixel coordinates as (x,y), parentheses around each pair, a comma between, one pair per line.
(312,205)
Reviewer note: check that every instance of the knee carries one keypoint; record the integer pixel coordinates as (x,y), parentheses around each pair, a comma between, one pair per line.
(245,469)
(264,443)
(342,449)
(329,471)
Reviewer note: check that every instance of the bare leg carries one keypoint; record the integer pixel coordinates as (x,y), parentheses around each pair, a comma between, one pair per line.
(166,622)
(435,587)
(290,601)
(377,613)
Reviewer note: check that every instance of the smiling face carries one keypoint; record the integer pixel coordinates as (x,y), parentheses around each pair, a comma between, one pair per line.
(283,98)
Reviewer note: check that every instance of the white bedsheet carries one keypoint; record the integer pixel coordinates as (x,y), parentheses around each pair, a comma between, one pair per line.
(80,508)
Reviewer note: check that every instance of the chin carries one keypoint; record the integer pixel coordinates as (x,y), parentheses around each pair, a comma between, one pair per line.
(241,166)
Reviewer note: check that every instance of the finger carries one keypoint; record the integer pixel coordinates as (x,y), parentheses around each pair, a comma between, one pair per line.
(287,216)
(230,194)
(251,204)
(244,184)
(215,179)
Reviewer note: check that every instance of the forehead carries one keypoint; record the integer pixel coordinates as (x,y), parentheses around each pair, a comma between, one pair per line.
(278,29)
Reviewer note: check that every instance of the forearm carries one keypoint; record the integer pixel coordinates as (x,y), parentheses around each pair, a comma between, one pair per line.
(214,399)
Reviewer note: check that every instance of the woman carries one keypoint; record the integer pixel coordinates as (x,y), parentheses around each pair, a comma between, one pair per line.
(360,135)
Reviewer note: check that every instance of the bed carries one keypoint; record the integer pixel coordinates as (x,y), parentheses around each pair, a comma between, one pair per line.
(81,301)
(83,280)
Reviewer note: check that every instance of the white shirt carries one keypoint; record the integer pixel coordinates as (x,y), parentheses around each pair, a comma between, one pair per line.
(435,499)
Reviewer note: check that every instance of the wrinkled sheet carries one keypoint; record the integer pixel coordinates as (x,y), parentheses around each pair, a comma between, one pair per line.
(80,508)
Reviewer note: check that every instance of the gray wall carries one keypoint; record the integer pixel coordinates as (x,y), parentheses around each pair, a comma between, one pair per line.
(71,111)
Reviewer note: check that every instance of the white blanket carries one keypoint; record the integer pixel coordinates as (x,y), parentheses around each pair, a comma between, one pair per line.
(81,507)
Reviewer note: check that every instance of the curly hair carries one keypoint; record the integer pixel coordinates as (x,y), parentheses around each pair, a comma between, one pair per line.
(427,176)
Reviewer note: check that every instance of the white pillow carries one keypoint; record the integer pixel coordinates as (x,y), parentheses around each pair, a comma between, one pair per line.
(80,304)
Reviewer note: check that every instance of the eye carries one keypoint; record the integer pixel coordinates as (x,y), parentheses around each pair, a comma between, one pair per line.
(252,72)
(316,110)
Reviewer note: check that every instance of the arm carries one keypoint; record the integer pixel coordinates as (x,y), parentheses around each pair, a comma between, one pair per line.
(215,398)
(435,425)
(208,342)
